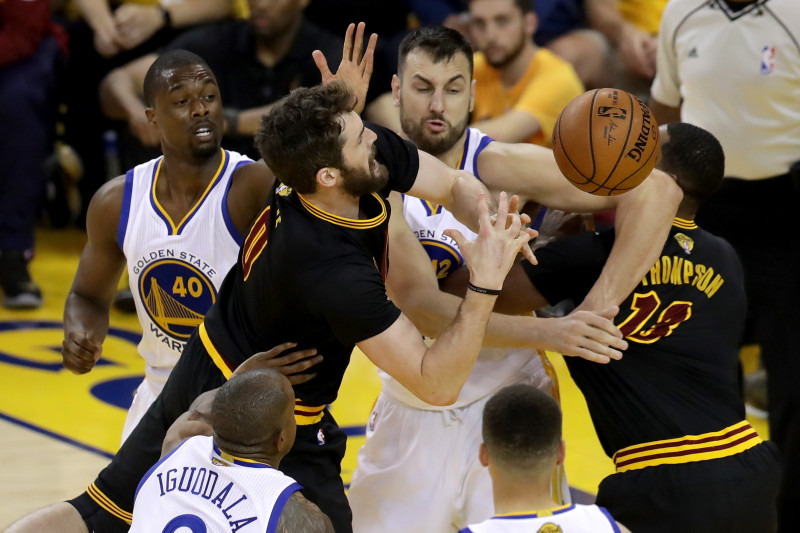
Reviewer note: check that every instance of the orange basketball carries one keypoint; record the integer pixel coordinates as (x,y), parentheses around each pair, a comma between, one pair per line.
(606,141)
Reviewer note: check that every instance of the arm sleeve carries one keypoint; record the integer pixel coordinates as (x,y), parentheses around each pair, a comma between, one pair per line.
(569,267)
(399,156)
(23,24)
(351,297)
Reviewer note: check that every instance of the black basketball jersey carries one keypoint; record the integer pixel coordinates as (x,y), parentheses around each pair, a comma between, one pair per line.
(683,324)
(311,277)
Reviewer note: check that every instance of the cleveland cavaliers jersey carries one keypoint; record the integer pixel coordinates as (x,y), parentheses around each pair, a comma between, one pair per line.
(201,488)
(568,519)
(175,267)
(495,367)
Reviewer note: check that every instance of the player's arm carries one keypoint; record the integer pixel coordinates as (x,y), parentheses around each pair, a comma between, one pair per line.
(195,421)
(299,514)
(436,374)
(412,286)
(250,189)
(86,311)
(454,189)
(643,215)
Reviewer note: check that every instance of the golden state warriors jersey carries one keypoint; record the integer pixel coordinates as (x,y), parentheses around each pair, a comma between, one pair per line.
(201,488)
(568,519)
(495,367)
(175,267)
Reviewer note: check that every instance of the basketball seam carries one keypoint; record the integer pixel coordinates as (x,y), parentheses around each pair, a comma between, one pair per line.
(566,155)
(621,153)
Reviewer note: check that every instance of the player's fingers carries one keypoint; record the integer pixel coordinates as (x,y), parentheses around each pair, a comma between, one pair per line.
(322,65)
(456,236)
(589,355)
(502,210)
(297,379)
(513,204)
(347,49)
(600,350)
(358,45)
(300,366)
(291,357)
(610,312)
(528,254)
(369,56)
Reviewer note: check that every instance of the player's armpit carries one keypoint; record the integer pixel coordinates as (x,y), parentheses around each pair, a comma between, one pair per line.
(299,514)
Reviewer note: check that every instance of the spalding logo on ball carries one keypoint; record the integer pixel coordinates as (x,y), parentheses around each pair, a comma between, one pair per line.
(606,142)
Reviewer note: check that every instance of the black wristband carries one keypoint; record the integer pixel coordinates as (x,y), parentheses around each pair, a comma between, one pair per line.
(481,290)
(166,17)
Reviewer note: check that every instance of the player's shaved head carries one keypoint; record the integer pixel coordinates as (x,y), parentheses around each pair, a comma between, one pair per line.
(251,409)
(522,429)
(162,68)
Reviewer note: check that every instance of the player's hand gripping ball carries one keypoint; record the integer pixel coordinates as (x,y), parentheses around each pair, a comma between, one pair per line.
(606,141)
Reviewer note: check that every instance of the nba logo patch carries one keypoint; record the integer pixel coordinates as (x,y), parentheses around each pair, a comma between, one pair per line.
(321,437)
(767,60)
(372,419)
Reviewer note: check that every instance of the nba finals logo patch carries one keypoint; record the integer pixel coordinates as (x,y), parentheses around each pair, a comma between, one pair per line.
(550,528)
(767,60)
(176,296)
(686,242)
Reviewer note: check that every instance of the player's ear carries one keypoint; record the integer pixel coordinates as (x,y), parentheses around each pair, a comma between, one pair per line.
(395,90)
(150,113)
(327,177)
(562,452)
(483,455)
(472,94)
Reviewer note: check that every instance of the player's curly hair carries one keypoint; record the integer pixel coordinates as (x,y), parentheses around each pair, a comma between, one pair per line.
(522,429)
(695,156)
(302,134)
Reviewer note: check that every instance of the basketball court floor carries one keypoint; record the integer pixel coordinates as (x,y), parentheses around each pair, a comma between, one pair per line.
(58,430)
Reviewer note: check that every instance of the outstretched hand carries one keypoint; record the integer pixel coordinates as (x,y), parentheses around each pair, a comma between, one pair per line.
(586,334)
(355,69)
(490,256)
(290,365)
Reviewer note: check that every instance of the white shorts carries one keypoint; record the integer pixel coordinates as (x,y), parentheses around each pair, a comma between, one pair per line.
(416,460)
(141,403)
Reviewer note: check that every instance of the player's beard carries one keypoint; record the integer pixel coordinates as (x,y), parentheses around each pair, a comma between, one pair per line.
(516,50)
(360,182)
(205,151)
(435,145)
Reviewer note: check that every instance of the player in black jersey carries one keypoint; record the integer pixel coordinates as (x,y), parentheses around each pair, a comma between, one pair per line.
(670,413)
(311,271)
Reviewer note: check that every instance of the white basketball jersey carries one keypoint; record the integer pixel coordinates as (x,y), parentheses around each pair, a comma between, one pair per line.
(495,367)
(569,519)
(199,488)
(175,268)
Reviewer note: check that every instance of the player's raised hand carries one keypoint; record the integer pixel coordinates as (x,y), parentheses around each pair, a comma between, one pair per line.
(591,336)
(490,256)
(290,365)
(355,69)
(79,352)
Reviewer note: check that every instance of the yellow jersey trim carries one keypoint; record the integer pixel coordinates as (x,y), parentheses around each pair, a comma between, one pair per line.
(174,230)
(347,222)
(688,449)
(306,415)
(534,514)
(684,223)
(105,502)
(219,361)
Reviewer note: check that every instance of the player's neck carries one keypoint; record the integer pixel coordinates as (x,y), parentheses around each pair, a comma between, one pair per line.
(185,180)
(232,453)
(336,202)
(452,157)
(521,496)
(513,72)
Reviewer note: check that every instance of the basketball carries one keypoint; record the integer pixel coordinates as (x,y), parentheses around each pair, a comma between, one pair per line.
(606,142)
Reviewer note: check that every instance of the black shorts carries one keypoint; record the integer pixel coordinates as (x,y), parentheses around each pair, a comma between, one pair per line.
(735,494)
(314,462)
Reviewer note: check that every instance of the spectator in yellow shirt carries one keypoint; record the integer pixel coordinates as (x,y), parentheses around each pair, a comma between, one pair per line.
(520,88)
